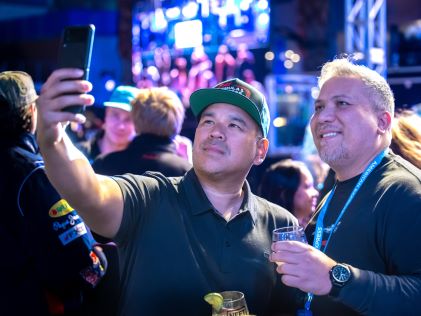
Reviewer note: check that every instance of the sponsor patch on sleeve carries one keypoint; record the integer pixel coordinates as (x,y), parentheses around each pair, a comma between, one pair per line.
(73,233)
(60,208)
(70,220)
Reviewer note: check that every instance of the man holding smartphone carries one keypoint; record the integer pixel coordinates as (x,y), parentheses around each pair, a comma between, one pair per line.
(179,238)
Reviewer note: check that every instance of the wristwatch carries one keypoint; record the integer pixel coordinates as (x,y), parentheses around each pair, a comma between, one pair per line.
(340,274)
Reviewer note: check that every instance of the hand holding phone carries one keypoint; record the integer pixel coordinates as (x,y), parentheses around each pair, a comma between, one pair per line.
(75,52)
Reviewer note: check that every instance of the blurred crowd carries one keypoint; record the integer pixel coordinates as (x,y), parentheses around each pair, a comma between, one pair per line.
(185,75)
(139,131)
(108,128)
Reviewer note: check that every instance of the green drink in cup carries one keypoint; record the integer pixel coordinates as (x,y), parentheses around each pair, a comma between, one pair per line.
(228,303)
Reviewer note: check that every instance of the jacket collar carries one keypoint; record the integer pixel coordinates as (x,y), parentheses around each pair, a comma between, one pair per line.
(26,141)
(150,142)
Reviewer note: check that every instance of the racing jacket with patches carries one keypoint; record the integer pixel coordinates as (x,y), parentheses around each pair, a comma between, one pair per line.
(48,258)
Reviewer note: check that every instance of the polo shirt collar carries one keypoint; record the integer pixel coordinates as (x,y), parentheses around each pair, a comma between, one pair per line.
(199,202)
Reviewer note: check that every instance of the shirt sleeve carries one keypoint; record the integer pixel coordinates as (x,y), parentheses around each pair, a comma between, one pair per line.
(62,243)
(397,291)
(141,194)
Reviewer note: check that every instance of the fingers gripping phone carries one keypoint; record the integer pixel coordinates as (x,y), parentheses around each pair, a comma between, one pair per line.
(75,52)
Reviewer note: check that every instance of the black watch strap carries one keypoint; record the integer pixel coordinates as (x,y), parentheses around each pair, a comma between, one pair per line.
(340,275)
(335,290)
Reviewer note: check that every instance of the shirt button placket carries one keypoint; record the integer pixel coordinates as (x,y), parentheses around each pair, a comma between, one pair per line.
(226,265)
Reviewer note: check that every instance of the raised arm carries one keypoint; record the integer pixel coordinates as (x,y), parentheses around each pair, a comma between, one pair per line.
(98,199)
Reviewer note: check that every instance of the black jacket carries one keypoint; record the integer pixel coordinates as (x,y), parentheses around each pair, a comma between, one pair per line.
(146,152)
(46,247)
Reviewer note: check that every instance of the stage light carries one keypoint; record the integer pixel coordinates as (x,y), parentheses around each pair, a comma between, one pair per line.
(144,23)
(279,121)
(190,10)
(358,56)
(137,65)
(315,92)
(110,84)
(173,13)
(289,89)
(262,5)
(377,55)
(159,22)
(153,73)
(188,34)
(262,21)
(108,80)
(269,55)
(245,5)
(289,53)
(288,64)
(136,30)
(204,7)
(237,33)
(295,58)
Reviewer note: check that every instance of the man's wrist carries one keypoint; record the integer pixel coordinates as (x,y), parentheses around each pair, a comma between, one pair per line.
(340,276)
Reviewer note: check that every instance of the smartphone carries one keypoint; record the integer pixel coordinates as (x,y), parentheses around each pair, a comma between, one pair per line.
(75,52)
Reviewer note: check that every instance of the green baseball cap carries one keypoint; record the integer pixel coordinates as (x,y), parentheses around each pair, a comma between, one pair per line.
(122,97)
(17,88)
(238,93)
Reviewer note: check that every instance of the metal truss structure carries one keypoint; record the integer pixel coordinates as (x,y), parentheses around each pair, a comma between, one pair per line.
(365,32)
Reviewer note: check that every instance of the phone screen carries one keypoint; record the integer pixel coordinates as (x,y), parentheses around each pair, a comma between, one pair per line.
(75,52)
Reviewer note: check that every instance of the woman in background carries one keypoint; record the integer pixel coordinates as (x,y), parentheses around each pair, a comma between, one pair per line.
(406,136)
(290,184)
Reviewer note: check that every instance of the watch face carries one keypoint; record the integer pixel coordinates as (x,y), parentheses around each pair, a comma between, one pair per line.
(341,273)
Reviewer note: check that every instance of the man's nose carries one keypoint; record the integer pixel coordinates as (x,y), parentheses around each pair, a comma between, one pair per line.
(218,132)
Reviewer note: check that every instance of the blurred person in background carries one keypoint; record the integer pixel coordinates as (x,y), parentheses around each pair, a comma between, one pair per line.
(224,64)
(406,136)
(249,77)
(49,259)
(318,168)
(117,130)
(158,116)
(290,184)
(244,60)
(179,79)
(200,74)
(162,61)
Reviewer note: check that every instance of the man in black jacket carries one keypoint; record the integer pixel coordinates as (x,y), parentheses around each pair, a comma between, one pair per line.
(158,116)
(49,257)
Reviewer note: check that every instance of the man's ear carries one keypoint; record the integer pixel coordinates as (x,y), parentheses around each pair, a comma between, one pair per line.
(261,151)
(34,113)
(33,107)
(384,122)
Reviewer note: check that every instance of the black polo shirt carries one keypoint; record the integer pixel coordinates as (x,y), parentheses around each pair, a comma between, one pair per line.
(175,248)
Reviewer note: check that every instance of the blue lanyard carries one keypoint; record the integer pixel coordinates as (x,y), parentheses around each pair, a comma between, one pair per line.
(318,234)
